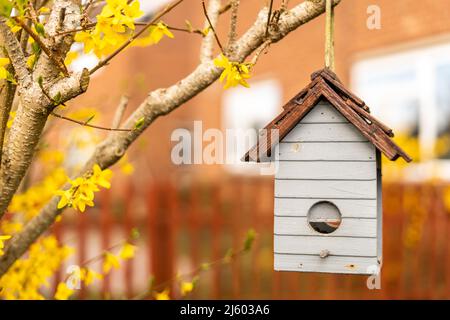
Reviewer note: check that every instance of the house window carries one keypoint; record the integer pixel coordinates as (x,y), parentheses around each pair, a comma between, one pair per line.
(409,91)
(244,112)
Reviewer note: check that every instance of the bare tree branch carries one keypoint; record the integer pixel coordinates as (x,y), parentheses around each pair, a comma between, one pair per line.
(120,112)
(158,103)
(15,53)
(232,35)
(206,49)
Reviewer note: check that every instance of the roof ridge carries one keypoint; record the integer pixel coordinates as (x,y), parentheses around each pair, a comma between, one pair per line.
(325,83)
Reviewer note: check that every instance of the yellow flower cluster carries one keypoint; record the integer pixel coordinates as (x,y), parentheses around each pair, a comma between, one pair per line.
(81,193)
(235,73)
(114,26)
(36,197)
(27,276)
(63,292)
(4,74)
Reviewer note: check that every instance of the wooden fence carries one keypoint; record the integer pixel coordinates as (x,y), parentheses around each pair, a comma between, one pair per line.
(183,227)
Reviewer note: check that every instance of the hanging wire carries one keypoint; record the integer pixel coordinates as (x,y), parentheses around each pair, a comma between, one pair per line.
(329,35)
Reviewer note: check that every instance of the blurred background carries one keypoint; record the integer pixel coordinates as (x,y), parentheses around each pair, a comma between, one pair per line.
(188,215)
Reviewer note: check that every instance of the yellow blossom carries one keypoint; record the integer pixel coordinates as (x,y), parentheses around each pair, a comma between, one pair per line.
(36,197)
(71,56)
(10,227)
(101,177)
(164,295)
(31,61)
(3,72)
(63,292)
(81,193)
(12,115)
(110,262)
(127,251)
(155,34)
(2,245)
(186,287)
(88,276)
(115,25)
(125,166)
(30,274)
(235,73)
(13,26)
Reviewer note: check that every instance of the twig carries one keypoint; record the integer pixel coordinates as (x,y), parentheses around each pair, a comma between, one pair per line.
(211,26)
(268,17)
(260,50)
(129,41)
(59,63)
(92,24)
(86,124)
(329,35)
(119,112)
(222,261)
(232,35)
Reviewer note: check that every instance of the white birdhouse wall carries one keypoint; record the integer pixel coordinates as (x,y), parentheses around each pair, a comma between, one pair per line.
(326,197)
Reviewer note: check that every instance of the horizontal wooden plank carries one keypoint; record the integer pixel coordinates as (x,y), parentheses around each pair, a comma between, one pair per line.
(324,113)
(352,208)
(326,170)
(351,227)
(334,264)
(339,246)
(324,132)
(326,189)
(362,151)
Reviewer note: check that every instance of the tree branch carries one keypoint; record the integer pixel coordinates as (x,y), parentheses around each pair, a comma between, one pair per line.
(206,49)
(232,35)
(15,53)
(158,103)
(7,93)
(137,35)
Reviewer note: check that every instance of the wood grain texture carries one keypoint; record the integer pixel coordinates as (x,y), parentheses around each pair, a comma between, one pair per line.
(338,151)
(331,264)
(326,170)
(352,208)
(326,85)
(324,132)
(326,189)
(341,246)
(351,227)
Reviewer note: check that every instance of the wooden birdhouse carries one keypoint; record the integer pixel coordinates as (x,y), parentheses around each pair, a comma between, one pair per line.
(328,208)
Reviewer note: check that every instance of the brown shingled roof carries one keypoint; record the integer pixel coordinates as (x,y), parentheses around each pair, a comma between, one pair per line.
(325,84)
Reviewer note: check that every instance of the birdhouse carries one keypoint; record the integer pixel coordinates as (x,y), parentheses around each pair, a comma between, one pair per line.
(328,204)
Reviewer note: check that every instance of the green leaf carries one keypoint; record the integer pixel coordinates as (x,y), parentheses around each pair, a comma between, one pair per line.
(90,119)
(249,239)
(40,81)
(139,123)
(5,8)
(10,78)
(57,99)
(20,6)
(36,48)
(135,234)
(40,29)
